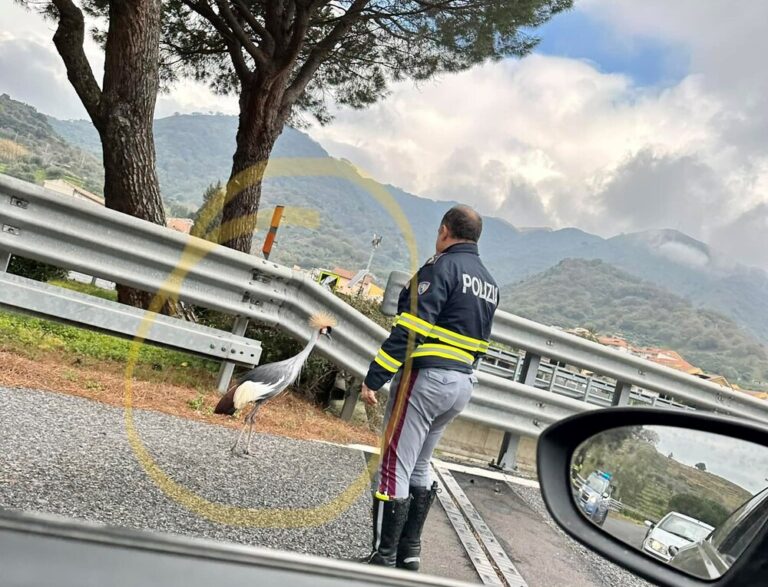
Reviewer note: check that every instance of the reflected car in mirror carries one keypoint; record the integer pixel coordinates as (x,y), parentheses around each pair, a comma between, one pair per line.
(681,499)
(712,557)
(673,532)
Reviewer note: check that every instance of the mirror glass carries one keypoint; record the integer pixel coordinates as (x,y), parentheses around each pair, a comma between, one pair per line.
(690,499)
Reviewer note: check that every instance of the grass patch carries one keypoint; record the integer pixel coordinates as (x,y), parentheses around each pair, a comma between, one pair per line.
(43,354)
(36,338)
(86,288)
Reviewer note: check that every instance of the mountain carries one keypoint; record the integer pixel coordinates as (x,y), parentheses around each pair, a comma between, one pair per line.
(194,151)
(31,149)
(598,296)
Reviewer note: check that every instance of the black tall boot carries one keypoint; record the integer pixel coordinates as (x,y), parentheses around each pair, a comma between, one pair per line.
(389,517)
(409,550)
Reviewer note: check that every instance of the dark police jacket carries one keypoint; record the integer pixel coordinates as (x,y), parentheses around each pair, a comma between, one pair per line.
(444,316)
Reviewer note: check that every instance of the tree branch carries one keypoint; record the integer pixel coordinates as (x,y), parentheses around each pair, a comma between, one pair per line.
(69,38)
(298,35)
(269,42)
(245,41)
(273,20)
(321,51)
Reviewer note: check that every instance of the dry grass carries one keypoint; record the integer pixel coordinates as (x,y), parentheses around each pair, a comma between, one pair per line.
(105,382)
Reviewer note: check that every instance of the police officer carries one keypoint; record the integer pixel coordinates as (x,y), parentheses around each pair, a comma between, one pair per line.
(443,326)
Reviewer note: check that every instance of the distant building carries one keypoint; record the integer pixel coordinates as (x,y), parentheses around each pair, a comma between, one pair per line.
(63,186)
(581,332)
(615,342)
(180,224)
(668,358)
(342,282)
(673,360)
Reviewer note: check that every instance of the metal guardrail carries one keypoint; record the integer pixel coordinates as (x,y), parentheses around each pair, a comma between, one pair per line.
(65,232)
(563,381)
(48,301)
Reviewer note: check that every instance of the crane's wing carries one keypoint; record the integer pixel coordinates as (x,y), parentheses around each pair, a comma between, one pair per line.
(254,391)
(263,382)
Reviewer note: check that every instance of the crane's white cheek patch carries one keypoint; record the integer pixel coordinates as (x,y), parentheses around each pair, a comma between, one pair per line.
(423,287)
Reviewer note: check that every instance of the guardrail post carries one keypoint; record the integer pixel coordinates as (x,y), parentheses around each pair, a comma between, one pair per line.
(228,368)
(555,369)
(351,396)
(507,459)
(621,394)
(588,389)
(5,260)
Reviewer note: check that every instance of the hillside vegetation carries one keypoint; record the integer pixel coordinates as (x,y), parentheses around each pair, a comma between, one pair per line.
(596,295)
(195,151)
(30,149)
(652,484)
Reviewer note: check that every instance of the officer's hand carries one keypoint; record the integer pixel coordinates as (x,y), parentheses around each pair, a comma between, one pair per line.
(368,395)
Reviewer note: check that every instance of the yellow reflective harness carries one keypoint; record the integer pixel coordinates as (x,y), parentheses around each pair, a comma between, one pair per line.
(457,347)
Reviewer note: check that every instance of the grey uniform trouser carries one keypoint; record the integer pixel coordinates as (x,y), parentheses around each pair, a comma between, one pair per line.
(432,398)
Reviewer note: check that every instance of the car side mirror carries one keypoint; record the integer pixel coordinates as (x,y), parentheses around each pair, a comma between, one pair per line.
(693,472)
(606,495)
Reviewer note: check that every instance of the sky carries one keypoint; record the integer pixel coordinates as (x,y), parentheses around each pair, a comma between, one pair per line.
(738,461)
(628,116)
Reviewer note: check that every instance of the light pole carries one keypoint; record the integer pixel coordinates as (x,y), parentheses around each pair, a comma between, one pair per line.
(375,242)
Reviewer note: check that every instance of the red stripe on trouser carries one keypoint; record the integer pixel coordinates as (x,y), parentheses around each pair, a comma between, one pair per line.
(388,480)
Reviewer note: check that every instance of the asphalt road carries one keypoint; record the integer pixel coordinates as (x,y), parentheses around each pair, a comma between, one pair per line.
(71,456)
(630,532)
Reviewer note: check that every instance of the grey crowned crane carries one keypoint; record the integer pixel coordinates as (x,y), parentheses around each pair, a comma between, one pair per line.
(268,381)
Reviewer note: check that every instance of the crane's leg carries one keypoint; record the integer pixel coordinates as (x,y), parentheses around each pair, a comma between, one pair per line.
(239,438)
(251,418)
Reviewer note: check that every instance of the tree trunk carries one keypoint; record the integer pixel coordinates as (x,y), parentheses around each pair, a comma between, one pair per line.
(131,83)
(260,124)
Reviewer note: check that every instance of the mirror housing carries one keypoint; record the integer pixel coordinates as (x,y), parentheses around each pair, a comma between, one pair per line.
(395,284)
(673,550)
(649,523)
(555,452)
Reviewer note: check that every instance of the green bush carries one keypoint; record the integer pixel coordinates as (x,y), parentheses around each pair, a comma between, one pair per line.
(35,269)
(707,510)
(86,288)
(35,333)
(318,377)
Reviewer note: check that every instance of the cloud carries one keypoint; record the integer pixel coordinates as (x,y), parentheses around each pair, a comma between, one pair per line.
(189,96)
(682,190)
(684,254)
(557,140)
(745,239)
(544,139)
(737,461)
(32,73)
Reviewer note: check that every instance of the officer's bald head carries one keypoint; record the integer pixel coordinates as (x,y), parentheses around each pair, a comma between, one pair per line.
(464,223)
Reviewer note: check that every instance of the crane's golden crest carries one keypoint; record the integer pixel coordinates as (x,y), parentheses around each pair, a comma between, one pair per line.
(322,320)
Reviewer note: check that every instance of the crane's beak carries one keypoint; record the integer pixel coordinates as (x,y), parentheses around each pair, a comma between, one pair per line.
(327,332)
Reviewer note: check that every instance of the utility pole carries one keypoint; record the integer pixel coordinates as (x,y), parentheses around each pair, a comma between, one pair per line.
(375,242)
